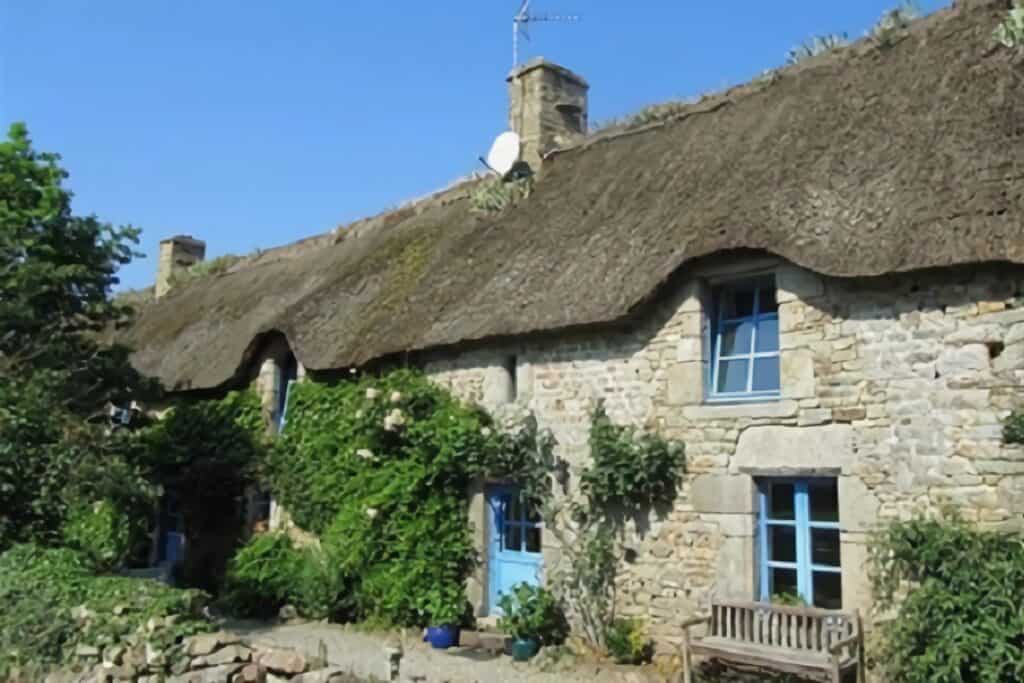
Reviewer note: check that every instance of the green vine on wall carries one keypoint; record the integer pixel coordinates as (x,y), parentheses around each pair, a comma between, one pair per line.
(1013,429)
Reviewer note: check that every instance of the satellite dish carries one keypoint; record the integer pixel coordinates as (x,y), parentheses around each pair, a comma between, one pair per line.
(504,153)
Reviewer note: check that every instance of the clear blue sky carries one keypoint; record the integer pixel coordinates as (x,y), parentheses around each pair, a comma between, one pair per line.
(252,124)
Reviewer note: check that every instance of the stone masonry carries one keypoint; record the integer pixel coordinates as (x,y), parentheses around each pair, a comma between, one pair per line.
(896,385)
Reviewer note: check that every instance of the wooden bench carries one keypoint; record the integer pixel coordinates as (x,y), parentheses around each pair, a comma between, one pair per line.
(805,641)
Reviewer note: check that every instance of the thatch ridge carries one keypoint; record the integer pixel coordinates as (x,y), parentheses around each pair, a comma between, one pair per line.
(861,163)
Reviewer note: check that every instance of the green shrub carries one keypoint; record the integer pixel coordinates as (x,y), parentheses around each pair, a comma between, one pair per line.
(893,21)
(628,642)
(630,469)
(378,468)
(270,571)
(962,618)
(1010,32)
(53,603)
(1013,430)
(532,613)
(494,195)
(100,532)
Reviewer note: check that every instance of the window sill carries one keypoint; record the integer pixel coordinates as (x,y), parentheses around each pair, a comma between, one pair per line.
(755,408)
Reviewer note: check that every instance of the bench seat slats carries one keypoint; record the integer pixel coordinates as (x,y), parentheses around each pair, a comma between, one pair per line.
(726,648)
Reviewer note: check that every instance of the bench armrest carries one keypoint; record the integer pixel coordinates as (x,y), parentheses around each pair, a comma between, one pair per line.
(693,621)
(837,646)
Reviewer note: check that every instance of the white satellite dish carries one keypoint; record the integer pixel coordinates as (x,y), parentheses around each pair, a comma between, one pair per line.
(504,152)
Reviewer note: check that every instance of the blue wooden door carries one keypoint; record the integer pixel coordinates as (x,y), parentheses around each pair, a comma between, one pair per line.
(514,553)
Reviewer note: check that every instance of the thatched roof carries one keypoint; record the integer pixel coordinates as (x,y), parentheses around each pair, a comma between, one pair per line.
(868,161)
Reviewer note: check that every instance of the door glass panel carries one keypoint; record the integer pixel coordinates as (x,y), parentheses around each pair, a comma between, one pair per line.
(533,539)
(825,547)
(532,514)
(513,510)
(783,582)
(767,335)
(828,590)
(782,540)
(736,338)
(780,497)
(513,537)
(766,374)
(732,376)
(824,495)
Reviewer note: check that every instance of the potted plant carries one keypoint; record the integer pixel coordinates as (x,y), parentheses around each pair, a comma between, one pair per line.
(445,607)
(532,617)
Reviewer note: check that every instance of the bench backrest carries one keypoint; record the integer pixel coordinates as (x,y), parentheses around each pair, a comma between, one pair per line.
(795,628)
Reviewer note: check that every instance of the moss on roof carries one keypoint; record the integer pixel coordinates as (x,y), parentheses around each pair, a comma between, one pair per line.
(857,163)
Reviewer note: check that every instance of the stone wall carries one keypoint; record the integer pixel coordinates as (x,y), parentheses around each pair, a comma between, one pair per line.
(895,385)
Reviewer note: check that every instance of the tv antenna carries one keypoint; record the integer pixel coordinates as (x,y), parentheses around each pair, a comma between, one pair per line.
(521,23)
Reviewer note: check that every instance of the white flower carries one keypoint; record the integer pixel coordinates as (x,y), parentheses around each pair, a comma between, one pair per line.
(371,394)
(486,431)
(365,453)
(359,414)
(396,396)
(351,371)
(394,420)
(371,513)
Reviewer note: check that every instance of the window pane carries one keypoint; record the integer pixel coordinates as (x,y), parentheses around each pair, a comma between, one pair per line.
(828,590)
(824,496)
(766,374)
(782,543)
(780,500)
(767,334)
(737,303)
(825,547)
(533,539)
(767,304)
(783,582)
(736,338)
(512,509)
(513,538)
(732,376)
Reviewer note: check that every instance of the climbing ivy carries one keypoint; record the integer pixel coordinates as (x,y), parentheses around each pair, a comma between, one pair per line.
(1013,429)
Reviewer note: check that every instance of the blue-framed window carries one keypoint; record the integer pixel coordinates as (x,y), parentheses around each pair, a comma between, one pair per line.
(745,340)
(288,374)
(799,541)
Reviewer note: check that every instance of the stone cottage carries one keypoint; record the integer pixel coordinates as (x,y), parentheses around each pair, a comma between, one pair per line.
(815,280)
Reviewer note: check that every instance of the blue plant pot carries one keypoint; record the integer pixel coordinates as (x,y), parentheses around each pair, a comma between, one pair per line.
(524,649)
(442,637)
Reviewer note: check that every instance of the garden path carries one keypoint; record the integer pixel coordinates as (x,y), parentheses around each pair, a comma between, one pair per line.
(363,654)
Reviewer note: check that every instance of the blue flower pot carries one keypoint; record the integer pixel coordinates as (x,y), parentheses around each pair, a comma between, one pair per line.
(523,649)
(442,637)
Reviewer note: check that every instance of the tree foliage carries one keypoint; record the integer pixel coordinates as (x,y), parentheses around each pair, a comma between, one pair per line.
(56,375)
(961,618)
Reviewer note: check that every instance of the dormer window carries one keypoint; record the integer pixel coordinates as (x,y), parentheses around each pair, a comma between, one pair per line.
(744,340)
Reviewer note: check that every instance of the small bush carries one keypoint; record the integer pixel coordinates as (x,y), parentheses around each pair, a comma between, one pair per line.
(1013,430)
(818,45)
(52,603)
(1010,33)
(961,619)
(532,613)
(270,572)
(494,195)
(892,23)
(628,642)
(101,533)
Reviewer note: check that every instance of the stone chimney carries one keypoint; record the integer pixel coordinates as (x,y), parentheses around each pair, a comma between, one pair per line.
(177,254)
(547,108)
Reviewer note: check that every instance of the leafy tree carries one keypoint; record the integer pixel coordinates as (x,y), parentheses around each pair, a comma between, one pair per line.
(56,372)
